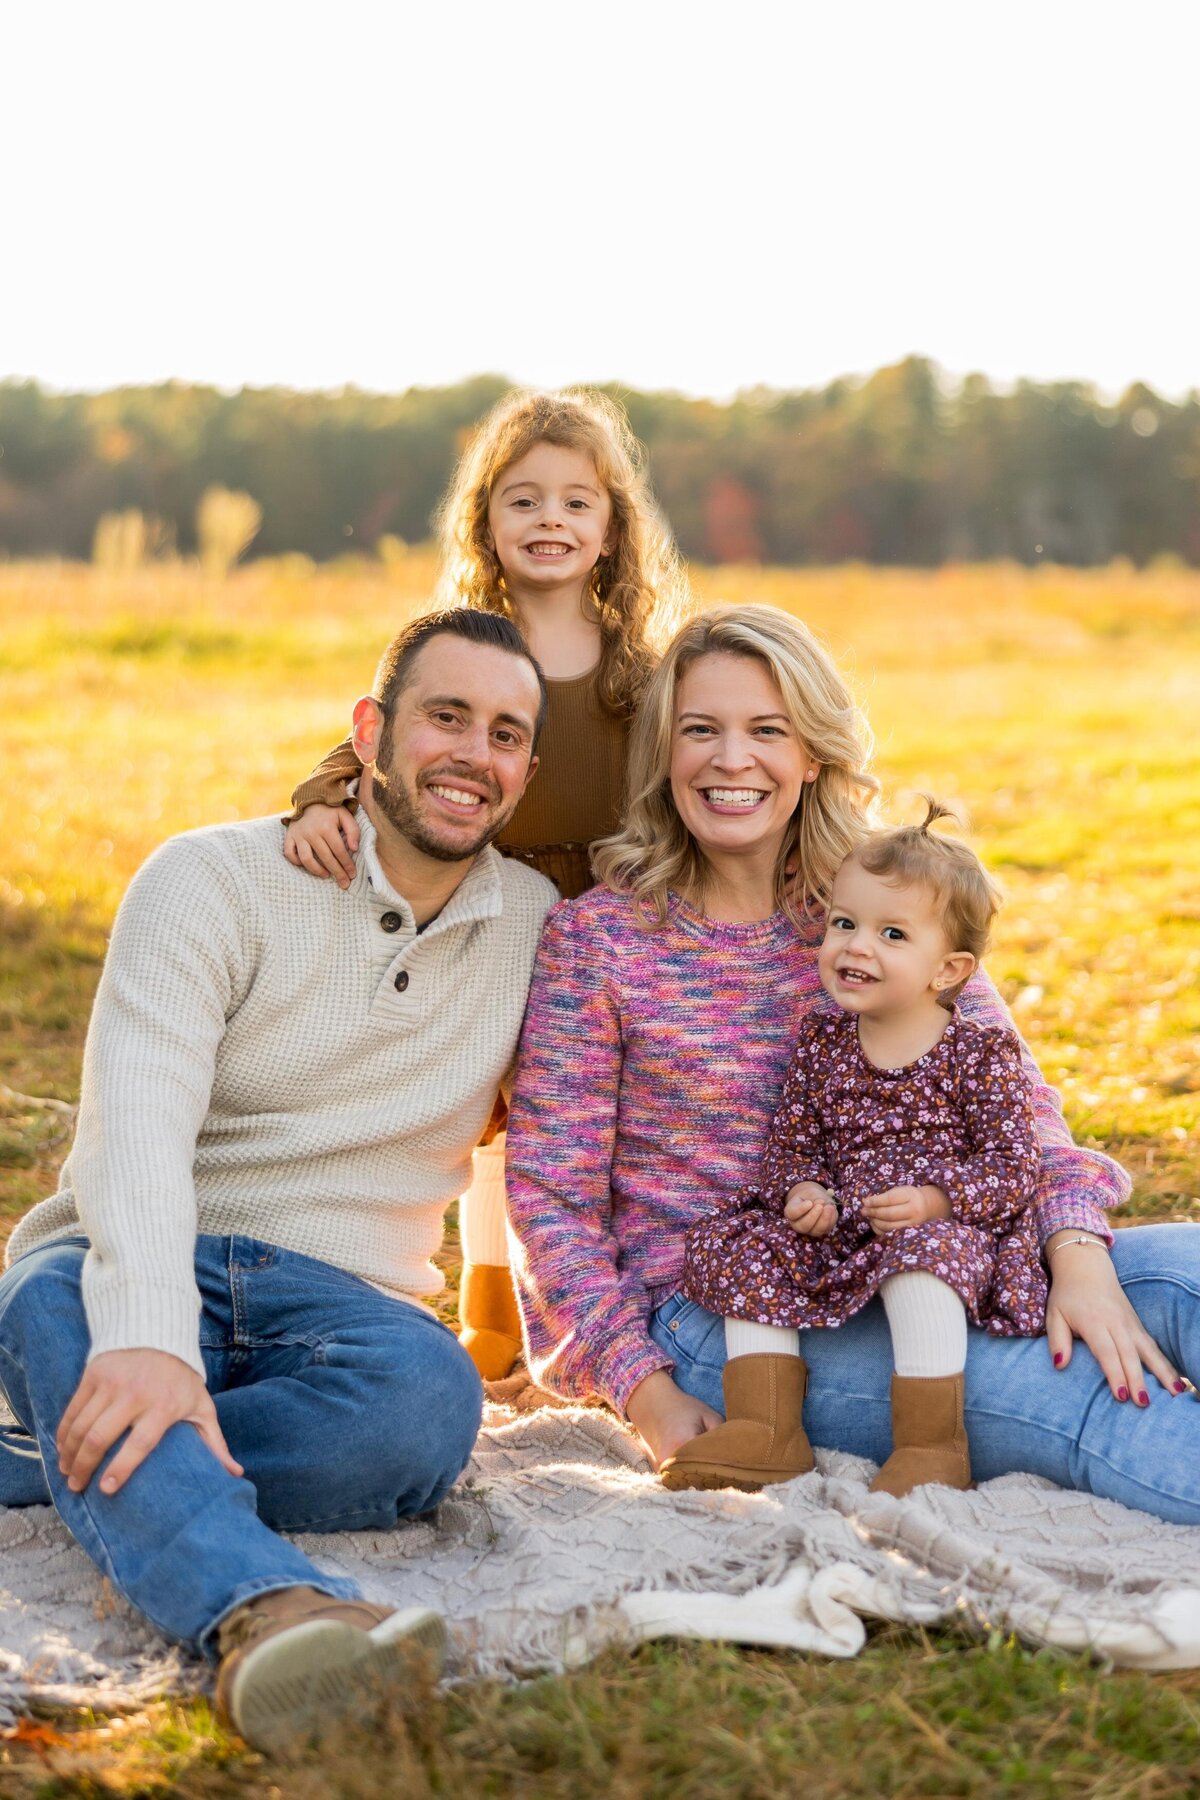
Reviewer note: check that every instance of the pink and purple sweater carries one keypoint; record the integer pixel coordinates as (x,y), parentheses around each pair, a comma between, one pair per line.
(650,1068)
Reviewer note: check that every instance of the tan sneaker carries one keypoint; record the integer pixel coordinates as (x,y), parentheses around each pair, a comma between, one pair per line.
(295,1660)
(929,1436)
(762,1439)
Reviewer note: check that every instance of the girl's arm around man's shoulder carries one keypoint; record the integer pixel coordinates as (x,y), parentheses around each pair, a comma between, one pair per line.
(330,782)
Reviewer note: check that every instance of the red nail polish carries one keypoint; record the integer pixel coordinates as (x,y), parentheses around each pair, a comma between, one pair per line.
(1058,1359)
(1143,1397)
(1122,1393)
(1181,1387)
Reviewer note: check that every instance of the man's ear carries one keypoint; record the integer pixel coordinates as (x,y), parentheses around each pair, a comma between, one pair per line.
(954,970)
(531,771)
(368,724)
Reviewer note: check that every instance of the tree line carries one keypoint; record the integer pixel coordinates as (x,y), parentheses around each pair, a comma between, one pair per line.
(900,467)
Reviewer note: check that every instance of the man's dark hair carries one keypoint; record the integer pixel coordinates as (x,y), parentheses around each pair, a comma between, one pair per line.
(395,665)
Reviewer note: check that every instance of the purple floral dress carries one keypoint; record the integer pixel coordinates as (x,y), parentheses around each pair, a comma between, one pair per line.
(958,1118)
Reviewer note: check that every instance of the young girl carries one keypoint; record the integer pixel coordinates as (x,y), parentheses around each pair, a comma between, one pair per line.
(548,520)
(903,1160)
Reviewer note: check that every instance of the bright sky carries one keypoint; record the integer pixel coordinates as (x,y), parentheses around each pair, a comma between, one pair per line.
(668,193)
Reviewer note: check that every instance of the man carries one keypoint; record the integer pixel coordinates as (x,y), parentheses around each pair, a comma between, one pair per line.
(211,1332)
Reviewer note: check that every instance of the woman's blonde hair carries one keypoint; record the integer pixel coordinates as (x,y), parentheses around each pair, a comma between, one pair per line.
(654,851)
(637,585)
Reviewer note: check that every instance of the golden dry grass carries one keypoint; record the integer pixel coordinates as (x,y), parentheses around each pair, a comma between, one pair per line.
(1059,707)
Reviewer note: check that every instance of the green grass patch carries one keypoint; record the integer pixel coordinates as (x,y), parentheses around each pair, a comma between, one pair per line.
(914,1716)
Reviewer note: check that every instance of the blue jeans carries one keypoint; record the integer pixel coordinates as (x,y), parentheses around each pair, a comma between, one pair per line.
(348,1411)
(1021,1412)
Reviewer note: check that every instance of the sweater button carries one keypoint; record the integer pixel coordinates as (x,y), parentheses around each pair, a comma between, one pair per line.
(401,981)
(390,922)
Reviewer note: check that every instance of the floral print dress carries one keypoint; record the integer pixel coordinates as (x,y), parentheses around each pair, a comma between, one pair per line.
(958,1118)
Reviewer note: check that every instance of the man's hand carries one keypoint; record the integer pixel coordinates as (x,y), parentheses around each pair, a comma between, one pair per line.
(665,1418)
(143,1392)
(810,1210)
(323,841)
(901,1207)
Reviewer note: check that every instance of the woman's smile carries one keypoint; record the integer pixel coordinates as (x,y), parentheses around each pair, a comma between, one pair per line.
(731,800)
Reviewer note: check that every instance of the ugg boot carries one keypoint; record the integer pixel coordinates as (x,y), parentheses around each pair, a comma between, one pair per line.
(490,1325)
(929,1438)
(762,1439)
(294,1660)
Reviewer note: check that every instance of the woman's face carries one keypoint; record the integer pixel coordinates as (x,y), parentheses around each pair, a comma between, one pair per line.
(738,765)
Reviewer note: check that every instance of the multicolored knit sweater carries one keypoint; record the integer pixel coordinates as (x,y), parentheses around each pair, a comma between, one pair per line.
(651,1064)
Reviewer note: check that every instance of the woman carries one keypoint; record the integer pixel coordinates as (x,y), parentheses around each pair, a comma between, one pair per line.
(663,1012)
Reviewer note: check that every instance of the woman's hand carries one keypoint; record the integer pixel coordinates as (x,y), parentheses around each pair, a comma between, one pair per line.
(665,1418)
(1086,1301)
(902,1207)
(810,1210)
(323,842)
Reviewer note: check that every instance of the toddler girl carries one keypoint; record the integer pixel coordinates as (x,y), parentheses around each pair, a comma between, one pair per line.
(548,520)
(902,1161)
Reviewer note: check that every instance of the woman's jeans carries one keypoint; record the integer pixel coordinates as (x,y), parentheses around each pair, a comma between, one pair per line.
(1021,1412)
(348,1411)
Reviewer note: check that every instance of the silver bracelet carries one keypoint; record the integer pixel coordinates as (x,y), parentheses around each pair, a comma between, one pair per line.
(1096,1243)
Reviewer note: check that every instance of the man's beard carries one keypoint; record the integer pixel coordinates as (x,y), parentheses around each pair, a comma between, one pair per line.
(398,806)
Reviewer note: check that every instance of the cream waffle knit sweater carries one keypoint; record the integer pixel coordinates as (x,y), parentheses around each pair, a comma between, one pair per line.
(272,1057)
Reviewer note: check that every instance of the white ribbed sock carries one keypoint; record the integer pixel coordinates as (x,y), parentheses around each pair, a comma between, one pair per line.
(743,1337)
(928,1323)
(482,1211)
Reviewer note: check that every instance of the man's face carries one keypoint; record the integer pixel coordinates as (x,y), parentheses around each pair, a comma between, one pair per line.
(451,763)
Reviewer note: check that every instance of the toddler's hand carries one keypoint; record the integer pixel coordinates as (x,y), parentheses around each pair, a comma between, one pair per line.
(809,1209)
(323,841)
(902,1207)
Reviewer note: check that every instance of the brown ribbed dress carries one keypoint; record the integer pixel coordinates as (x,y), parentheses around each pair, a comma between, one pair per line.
(574,798)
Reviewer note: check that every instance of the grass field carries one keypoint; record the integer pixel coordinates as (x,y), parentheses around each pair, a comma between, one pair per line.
(1059,707)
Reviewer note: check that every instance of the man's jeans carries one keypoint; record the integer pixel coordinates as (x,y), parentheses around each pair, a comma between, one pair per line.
(348,1410)
(1021,1412)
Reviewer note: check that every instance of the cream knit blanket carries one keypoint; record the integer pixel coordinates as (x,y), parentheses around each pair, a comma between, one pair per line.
(559,1543)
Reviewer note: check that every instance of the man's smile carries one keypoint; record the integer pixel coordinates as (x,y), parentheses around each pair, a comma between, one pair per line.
(456,796)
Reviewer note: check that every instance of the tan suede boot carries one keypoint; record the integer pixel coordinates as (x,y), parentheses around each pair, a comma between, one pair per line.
(929,1438)
(762,1439)
(295,1660)
(489,1323)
